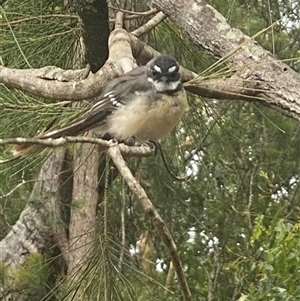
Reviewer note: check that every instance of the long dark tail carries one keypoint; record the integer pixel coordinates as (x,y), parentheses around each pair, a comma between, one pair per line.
(71,129)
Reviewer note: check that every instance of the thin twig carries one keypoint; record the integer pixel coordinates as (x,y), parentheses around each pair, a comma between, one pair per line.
(33,106)
(13,189)
(176,178)
(115,153)
(143,13)
(41,17)
(126,18)
(250,199)
(139,151)
(149,25)
(50,36)
(123,241)
(14,37)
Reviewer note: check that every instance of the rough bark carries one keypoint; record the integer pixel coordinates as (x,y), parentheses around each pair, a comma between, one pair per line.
(92,49)
(84,204)
(256,72)
(33,231)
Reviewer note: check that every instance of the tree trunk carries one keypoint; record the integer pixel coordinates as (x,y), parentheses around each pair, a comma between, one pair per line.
(39,226)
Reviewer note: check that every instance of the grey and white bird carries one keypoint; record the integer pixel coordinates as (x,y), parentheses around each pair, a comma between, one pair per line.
(145,103)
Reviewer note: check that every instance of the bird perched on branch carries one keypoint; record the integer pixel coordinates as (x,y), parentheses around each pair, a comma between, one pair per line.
(145,103)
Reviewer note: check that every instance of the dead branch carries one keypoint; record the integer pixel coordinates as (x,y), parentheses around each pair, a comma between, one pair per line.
(149,25)
(139,151)
(115,153)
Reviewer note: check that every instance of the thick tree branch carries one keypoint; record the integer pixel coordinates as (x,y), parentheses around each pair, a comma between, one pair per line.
(32,82)
(30,233)
(273,83)
(115,153)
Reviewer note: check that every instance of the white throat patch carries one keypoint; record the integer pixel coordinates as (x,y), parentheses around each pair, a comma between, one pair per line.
(162,86)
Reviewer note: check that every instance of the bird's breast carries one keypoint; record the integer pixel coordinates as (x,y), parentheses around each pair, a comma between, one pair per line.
(147,120)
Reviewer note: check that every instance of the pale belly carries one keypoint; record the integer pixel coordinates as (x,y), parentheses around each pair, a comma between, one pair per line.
(147,122)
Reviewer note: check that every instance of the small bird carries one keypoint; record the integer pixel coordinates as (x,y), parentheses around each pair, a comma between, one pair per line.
(145,103)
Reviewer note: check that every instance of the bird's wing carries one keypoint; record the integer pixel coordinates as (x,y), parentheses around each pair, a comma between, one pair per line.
(117,95)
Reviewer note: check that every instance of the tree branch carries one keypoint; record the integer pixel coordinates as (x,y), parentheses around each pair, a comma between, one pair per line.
(158,18)
(256,71)
(32,82)
(138,151)
(30,233)
(115,153)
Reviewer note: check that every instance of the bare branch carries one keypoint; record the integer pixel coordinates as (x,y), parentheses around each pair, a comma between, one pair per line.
(120,39)
(115,153)
(145,13)
(119,20)
(138,151)
(136,15)
(261,75)
(149,25)
(40,17)
(32,81)
(59,74)
(4,196)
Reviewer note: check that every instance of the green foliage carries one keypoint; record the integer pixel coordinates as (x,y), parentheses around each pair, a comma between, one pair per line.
(31,279)
(3,274)
(34,34)
(280,17)
(277,263)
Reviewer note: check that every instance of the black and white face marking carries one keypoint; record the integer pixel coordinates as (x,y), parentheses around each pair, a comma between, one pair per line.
(163,72)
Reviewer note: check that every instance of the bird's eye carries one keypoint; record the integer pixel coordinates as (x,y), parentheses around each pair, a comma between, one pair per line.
(156,70)
(155,73)
(173,69)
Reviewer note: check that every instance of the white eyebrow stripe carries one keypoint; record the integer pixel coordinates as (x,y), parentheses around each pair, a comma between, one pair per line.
(157,68)
(172,69)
